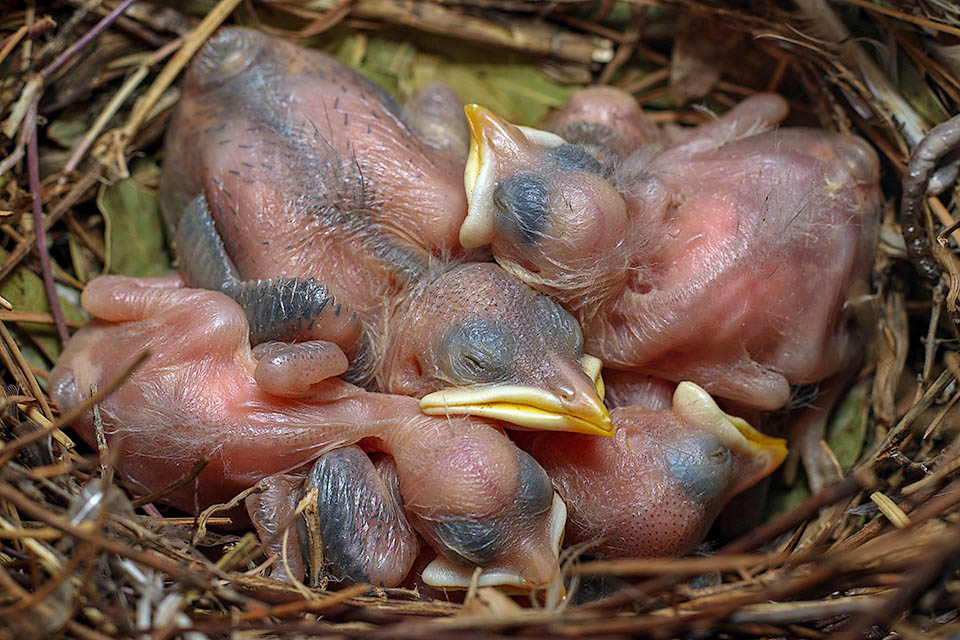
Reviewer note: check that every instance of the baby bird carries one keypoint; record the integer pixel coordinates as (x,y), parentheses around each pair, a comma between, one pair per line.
(288,185)
(726,257)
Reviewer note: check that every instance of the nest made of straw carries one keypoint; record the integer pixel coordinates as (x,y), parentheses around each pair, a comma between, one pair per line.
(85,92)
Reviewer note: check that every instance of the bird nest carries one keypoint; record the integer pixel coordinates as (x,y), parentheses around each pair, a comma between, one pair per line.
(86,92)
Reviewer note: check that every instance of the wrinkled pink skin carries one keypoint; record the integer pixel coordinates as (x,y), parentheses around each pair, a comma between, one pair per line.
(755,247)
(336,178)
(652,490)
(197,396)
(604,116)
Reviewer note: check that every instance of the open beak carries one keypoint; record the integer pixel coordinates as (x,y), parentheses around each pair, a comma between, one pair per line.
(698,408)
(580,410)
(491,137)
(535,569)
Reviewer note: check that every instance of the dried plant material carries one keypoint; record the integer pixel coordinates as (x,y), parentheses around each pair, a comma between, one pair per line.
(921,96)
(829,26)
(873,554)
(890,509)
(891,344)
(535,37)
(701,52)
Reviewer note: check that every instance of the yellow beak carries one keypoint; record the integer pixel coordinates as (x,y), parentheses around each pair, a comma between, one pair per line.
(693,404)
(580,410)
(491,139)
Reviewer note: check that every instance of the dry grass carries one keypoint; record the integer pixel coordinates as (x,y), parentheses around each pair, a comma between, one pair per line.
(873,556)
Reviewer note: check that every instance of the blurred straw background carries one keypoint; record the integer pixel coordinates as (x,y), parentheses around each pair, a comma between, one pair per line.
(86,90)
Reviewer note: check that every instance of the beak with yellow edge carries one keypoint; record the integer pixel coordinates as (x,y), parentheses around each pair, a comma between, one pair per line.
(697,407)
(491,139)
(533,570)
(580,410)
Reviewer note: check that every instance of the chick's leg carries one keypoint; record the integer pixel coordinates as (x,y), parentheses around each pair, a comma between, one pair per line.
(272,512)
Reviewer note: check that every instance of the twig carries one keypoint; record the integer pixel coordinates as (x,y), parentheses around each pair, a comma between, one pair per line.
(10,449)
(314,605)
(87,38)
(22,249)
(826,496)
(174,569)
(531,36)
(32,384)
(824,17)
(900,431)
(915,580)
(131,83)
(182,481)
(33,170)
(35,317)
(183,55)
(787,612)
(899,15)
(679,566)
(128,87)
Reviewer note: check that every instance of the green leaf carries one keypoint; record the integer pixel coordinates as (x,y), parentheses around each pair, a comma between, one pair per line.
(134,228)
(784,499)
(25,291)
(529,91)
(847,429)
(465,81)
(67,133)
(521,93)
(919,94)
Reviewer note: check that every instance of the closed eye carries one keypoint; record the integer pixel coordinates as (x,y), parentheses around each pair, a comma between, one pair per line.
(478,351)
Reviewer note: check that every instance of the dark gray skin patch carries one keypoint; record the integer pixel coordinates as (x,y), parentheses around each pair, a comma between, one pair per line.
(278,308)
(534,491)
(520,204)
(478,351)
(702,464)
(475,542)
(569,157)
(354,510)
(600,141)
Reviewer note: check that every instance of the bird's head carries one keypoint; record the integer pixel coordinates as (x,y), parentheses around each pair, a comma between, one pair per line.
(473,340)
(546,207)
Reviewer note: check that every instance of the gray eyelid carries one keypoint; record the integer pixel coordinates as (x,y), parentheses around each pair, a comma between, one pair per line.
(470,541)
(488,345)
(521,204)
